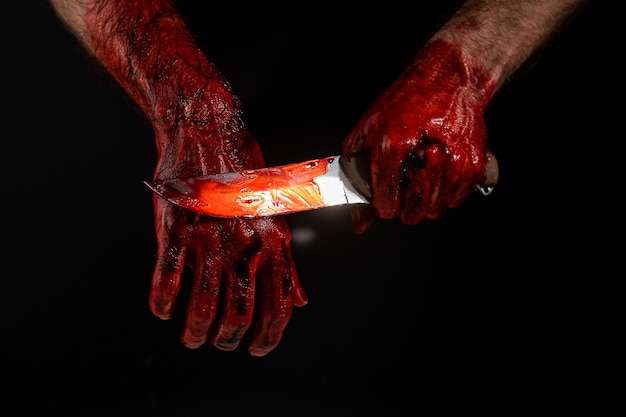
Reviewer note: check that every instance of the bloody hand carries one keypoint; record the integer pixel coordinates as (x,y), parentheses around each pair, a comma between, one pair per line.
(199,128)
(426,136)
(229,259)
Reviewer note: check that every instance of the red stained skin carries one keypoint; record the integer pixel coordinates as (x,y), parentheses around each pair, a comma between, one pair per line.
(427,138)
(425,134)
(199,130)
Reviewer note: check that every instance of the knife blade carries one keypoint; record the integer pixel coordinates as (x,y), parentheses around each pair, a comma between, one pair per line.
(313,184)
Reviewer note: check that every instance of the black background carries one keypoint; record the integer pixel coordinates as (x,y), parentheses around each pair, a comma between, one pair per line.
(497,309)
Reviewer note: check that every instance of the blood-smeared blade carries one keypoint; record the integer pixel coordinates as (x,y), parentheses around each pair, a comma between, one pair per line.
(309,185)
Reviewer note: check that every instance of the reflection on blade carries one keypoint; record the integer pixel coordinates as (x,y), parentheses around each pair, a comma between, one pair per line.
(271,191)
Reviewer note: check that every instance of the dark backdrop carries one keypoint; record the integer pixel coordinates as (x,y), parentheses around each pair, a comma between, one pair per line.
(492,310)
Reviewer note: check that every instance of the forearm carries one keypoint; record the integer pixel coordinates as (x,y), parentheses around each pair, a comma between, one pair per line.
(497,36)
(147,48)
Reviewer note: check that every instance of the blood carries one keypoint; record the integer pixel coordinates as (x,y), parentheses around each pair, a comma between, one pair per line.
(148,49)
(199,130)
(427,136)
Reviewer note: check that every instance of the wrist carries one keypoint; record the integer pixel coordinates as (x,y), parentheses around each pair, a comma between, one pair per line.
(498,36)
(193,152)
(148,50)
(197,119)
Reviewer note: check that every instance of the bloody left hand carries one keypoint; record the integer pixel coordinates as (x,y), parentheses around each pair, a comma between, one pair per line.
(199,129)
(426,136)
(230,258)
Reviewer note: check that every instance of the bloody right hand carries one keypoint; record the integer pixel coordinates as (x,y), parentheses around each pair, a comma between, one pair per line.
(426,136)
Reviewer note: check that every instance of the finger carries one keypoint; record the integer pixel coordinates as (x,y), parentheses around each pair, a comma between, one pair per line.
(444,185)
(415,203)
(388,168)
(276,306)
(443,180)
(300,299)
(465,184)
(282,238)
(422,181)
(238,305)
(173,234)
(203,300)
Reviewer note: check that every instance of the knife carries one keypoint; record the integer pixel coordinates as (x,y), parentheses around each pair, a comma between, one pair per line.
(313,184)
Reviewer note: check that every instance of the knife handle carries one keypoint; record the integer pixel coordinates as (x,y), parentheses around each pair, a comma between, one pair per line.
(357,168)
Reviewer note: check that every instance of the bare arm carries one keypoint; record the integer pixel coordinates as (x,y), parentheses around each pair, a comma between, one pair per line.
(199,129)
(426,132)
(500,35)
(147,47)
(71,13)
